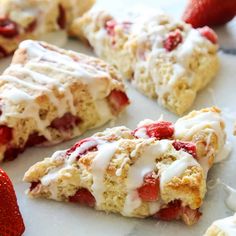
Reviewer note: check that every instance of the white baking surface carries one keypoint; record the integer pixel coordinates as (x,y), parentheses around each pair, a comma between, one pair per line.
(49,218)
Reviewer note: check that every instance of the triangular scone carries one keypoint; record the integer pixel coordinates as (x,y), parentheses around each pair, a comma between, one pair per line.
(48,95)
(144,172)
(165,59)
(31,19)
(223,227)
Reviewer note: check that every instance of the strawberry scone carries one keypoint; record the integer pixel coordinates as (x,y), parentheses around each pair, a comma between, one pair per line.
(152,171)
(165,59)
(48,95)
(31,19)
(223,227)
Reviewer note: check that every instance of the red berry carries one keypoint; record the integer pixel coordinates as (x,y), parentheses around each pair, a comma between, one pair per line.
(150,189)
(186,146)
(61,20)
(118,100)
(209,34)
(66,122)
(8,28)
(11,221)
(83,196)
(199,13)
(91,147)
(110,27)
(5,134)
(171,212)
(159,130)
(173,40)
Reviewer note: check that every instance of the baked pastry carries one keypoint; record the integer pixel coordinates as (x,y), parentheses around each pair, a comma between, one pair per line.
(144,172)
(223,227)
(30,19)
(48,95)
(165,59)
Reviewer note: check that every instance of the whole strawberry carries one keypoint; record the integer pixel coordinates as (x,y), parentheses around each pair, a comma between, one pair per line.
(200,13)
(11,222)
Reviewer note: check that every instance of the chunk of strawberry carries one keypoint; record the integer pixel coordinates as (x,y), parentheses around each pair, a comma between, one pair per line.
(83,196)
(209,12)
(186,146)
(31,26)
(61,20)
(12,152)
(85,145)
(8,28)
(5,134)
(209,34)
(11,221)
(150,189)
(158,130)
(34,185)
(118,100)
(3,53)
(110,27)
(175,211)
(66,122)
(172,41)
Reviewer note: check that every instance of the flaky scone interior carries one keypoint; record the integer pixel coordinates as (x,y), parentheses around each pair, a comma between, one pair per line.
(163,58)
(32,19)
(157,170)
(48,95)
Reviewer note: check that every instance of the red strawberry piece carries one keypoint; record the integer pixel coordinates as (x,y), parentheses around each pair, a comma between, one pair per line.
(209,34)
(61,20)
(172,41)
(91,146)
(186,146)
(84,197)
(110,27)
(8,28)
(5,134)
(150,189)
(171,212)
(34,185)
(158,130)
(12,152)
(118,100)
(31,27)
(66,122)
(35,139)
(199,13)
(3,53)
(11,221)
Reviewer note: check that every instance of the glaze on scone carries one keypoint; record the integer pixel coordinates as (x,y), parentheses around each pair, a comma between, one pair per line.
(48,95)
(165,59)
(149,171)
(31,19)
(223,227)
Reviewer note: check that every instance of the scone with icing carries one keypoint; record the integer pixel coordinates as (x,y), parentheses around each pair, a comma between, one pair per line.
(48,95)
(165,59)
(157,170)
(223,227)
(31,19)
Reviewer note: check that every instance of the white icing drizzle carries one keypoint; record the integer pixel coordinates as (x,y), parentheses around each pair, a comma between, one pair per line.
(176,168)
(145,164)
(227,225)
(141,133)
(98,168)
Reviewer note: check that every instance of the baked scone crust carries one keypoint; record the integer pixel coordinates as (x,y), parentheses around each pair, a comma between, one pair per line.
(135,46)
(52,94)
(113,165)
